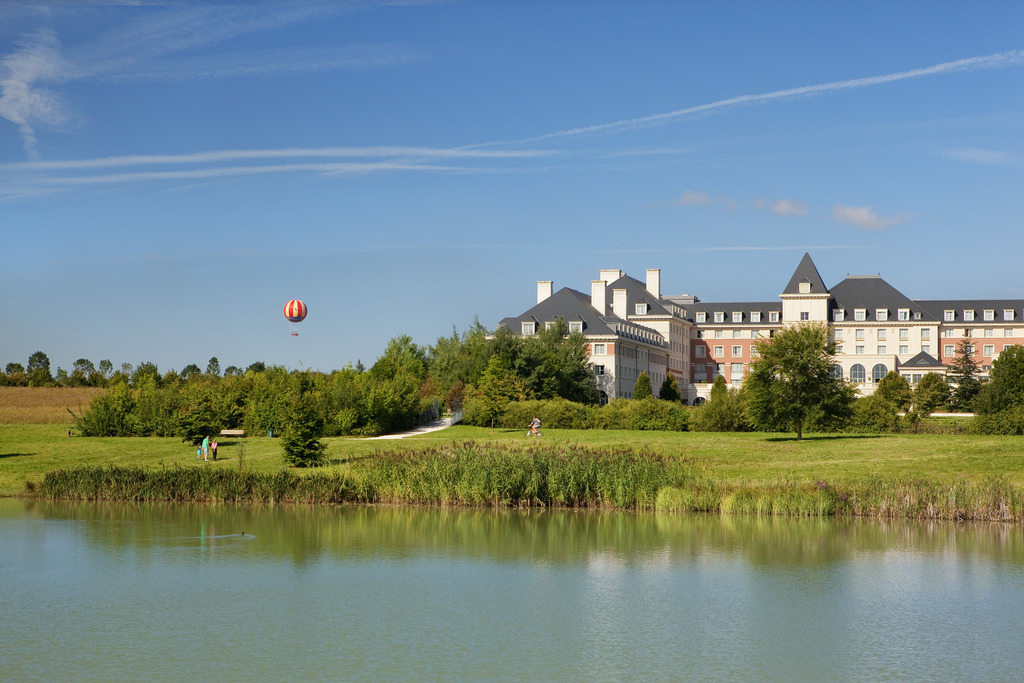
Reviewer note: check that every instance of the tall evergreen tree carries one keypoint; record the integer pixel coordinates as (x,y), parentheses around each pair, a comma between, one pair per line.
(642,388)
(963,376)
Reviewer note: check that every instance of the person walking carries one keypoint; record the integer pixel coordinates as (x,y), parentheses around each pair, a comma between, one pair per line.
(206,448)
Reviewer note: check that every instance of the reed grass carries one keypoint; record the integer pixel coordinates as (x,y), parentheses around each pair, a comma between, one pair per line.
(503,475)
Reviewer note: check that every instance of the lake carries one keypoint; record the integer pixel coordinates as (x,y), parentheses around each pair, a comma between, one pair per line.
(190,592)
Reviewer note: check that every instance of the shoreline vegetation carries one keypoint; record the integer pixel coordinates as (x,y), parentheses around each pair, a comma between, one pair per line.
(555,475)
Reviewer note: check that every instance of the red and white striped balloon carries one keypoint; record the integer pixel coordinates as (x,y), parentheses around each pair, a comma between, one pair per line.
(295,311)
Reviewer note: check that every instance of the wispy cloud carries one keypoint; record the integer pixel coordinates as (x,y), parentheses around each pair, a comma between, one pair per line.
(864,217)
(161,47)
(693,198)
(994,61)
(782,207)
(984,157)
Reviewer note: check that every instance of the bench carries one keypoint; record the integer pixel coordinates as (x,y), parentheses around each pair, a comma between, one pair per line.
(232,432)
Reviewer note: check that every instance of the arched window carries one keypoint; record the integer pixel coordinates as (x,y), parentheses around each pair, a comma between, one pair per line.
(878,372)
(857,374)
(837,371)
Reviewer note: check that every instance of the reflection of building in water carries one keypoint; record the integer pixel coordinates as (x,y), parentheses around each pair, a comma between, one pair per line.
(632,328)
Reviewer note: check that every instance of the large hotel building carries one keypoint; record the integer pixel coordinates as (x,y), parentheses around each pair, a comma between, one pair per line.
(631,327)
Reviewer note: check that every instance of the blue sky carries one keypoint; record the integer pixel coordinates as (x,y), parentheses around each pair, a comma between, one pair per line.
(172,174)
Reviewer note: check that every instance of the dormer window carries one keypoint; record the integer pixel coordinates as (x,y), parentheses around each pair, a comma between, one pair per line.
(805,287)
(968,314)
(641,309)
(719,317)
(755,316)
(529,329)
(860,314)
(881,314)
(949,316)
(737,317)
(838,315)
(988,314)
(773,316)
(701,317)
(1008,314)
(576,326)
(903,314)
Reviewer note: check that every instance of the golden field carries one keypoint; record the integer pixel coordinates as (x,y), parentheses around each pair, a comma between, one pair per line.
(44,405)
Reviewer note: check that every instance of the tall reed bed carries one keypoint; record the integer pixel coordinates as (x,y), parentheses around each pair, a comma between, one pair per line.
(510,475)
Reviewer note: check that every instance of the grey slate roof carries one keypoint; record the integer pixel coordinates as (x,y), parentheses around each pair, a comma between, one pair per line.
(636,293)
(743,307)
(566,303)
(806,271)
(923,361)
(937,309)
(871,293)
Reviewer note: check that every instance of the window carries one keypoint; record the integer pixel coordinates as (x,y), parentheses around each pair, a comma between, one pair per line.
(719,351)
(858,335)
(755,316)
(701,351)
(968,314)
(987,350)
(881,350)
(988,314)
(838,315)
(903,314)
(719,317)
(1007,314)
(773,316)
(837,370)
(529,328)
(904,349)
(860,314)
(576,326)
(949,316)
(548,325)
(737,317)
(1008,332)
(736,373)
(755,334)
(926,348)
(989,332)
(857,374)
(859,350)
(882,314)
(804,315)
(880,333)
(641,309)
(737,334)
(737,351)
(702,317)
(598,369)
(926,333)
(599,349)
(878,372)
(947,350)
(838,335)
(904,335)
(719,334)
(700,334)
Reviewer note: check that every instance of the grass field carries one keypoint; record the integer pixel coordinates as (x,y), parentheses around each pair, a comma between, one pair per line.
(28,451)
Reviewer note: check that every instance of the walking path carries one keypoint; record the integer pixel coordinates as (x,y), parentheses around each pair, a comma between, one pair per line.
(435,426)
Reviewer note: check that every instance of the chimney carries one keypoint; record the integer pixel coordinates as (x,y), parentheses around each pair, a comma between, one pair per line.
(599,296)
(610,276)
(619,303)
(544,289)
(654,282)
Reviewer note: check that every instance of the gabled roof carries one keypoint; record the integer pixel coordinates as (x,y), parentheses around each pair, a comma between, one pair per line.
(806,272)
(636,293)
(566,303)
(923,361)
(872,293)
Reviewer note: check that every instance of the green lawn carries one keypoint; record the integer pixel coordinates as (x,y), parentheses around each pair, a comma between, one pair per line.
(28,451)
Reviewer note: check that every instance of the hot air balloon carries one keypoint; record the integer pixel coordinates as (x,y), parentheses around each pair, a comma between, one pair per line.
(295,311)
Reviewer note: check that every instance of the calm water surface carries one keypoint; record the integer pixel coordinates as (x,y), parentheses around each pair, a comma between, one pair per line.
(188,593)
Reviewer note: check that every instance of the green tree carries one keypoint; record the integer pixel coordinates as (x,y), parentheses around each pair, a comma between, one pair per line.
(642,388)
(791,383)
(963,375)
(196,417)
(460,358)
(725,411)
(301,439)
(1006,386)
(669,389)
(189,371)
(932,393)
(146,372)
(213,367)
(499,385)
(895,389)
(111,414)
(39,370)
(874,413)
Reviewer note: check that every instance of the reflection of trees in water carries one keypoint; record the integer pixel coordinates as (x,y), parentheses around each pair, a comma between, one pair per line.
(305,533)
